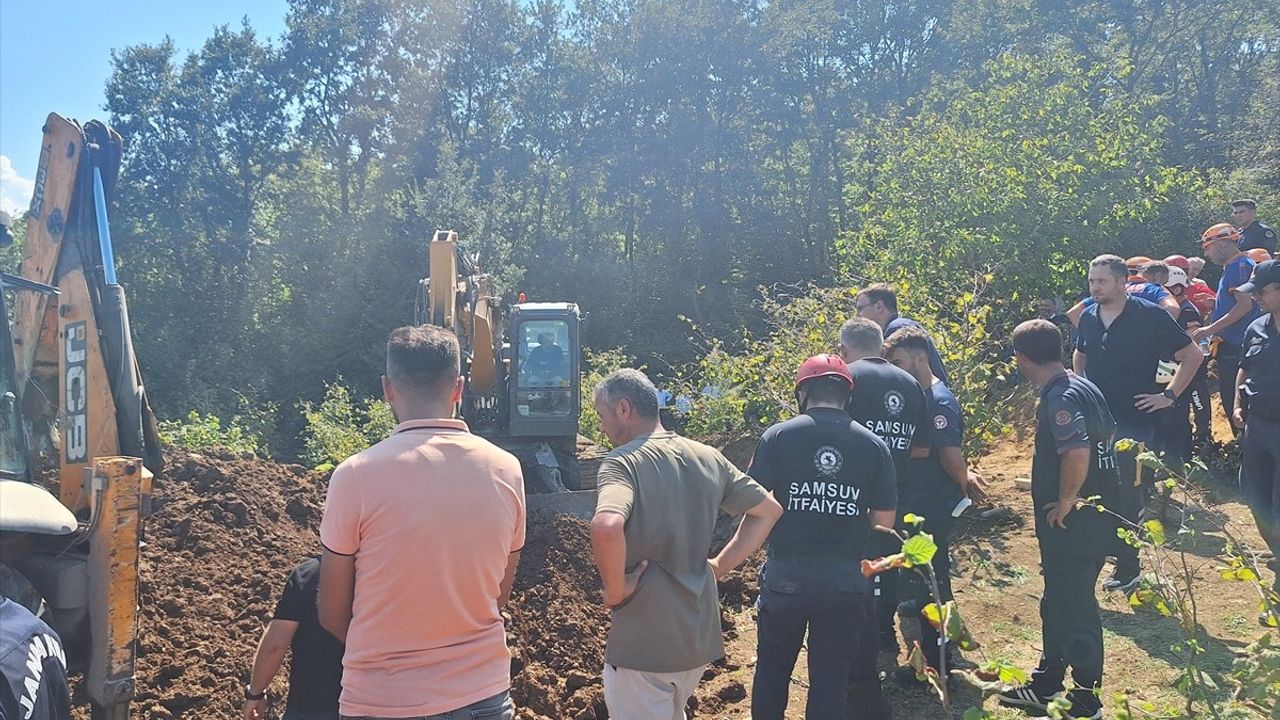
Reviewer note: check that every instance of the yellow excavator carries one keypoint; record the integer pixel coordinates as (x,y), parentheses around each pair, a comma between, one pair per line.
(78,442)
(522,387)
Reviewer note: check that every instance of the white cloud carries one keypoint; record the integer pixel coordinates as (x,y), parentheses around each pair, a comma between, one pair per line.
(15,190)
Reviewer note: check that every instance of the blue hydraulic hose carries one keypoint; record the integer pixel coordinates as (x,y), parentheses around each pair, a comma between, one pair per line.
(104,230)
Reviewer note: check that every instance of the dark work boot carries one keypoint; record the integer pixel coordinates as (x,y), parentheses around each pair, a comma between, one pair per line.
(866,701)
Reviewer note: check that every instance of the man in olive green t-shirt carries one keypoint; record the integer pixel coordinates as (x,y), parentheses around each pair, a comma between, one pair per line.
(659,497)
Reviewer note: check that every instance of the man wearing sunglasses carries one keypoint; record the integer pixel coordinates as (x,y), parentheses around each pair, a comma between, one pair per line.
(1253,234)
(1122,339)
(1257,407)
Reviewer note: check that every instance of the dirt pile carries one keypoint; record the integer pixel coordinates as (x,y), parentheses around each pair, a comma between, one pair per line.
(226,531)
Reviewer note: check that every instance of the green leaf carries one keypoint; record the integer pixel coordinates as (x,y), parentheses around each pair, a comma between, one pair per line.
(1155,530)
(919,549)
(913,519)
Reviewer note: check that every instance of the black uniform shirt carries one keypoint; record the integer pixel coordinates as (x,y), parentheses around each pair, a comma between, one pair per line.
(828,472)
(1072,413)
(929,490)
(33,667)
(1258,235)
(1123,359)
(1261,359)
(889,402)
(315,675)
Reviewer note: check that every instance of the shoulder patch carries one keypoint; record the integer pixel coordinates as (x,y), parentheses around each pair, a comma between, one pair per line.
(940,422)
(1271,233)
(1062,417)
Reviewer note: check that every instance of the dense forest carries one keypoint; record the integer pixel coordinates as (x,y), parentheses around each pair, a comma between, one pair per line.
(679,169)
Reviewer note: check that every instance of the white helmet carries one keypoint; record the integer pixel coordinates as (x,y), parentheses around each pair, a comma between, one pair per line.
(1177,276)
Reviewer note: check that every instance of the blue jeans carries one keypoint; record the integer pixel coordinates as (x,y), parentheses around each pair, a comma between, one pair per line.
(498,707)
(303,715)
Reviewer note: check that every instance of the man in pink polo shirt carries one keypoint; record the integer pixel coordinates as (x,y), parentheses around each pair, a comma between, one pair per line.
(421,534)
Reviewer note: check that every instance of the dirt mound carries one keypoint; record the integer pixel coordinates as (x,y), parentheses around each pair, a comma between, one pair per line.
(226,531)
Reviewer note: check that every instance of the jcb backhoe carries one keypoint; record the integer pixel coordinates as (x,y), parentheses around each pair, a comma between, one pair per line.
(522,393)
(74,416)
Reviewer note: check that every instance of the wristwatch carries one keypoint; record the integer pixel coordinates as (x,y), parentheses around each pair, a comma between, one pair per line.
(249,694)
(1169,393)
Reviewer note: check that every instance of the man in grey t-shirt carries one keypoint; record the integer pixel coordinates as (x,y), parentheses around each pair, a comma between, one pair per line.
(659,496)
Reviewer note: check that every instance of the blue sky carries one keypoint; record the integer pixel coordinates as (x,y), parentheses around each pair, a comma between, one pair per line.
(57,56)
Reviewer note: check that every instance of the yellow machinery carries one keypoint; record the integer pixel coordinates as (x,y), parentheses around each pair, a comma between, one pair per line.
(523,392)
(71,386)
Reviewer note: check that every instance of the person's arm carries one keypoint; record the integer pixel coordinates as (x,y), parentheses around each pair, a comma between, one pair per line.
(1237,413)
(272,647)
(1075,469)
(884,518)
(1075,312)
(337,592)
(1078,360)
(1171,306)
(508,579)
(973,485)
(754,529)
(1244,304)
(609,546)
(1188,359)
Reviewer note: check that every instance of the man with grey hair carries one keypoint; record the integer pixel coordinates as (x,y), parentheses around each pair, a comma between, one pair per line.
(659,496)
(1122,340)
(889,402)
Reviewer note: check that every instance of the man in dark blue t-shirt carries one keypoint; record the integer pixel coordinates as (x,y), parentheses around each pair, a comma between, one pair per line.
(1233,311)
(879,303)
(889,402)
(1074,458)
(1120,344)
(936,483)
(315,675)
(835,482)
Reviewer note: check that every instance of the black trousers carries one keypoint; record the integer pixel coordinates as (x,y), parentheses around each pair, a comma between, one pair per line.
(1130,496)
(1260,478)
(1071,626)
(1228,356)
(832,603)
(1197,396)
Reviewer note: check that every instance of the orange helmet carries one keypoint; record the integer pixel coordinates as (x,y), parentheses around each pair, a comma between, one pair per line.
(1136,262)
(1178,261)
(1221,231)
(823,366)
(1258,255)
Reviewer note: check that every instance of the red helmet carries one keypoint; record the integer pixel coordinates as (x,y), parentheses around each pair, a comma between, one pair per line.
(823,366)
(1178,261)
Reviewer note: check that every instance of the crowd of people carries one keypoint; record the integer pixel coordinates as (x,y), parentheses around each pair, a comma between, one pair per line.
(401,616)
(430,522)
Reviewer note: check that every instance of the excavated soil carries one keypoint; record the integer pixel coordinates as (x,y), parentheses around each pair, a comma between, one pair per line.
(226,531)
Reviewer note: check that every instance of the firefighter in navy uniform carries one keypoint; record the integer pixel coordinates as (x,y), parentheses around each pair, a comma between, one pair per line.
(835,481)
(889,402)
(1253,234)
(1257,409)
(1074,458)
(33,667)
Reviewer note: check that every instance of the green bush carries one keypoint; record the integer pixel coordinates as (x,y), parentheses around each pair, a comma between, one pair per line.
(340,427)
(597,364)
(205,432)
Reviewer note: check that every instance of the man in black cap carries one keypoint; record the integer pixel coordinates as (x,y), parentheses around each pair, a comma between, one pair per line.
(1257,408)
(1253,234)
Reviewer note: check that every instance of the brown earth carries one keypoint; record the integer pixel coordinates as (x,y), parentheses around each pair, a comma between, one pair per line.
(228,529)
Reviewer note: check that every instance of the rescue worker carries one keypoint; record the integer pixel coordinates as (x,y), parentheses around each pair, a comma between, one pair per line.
(1233,311)
(1179,439)
(879,303)
(1257,407)
(33,667)
(835,481)
(937,483)
(1253,234)
(1074,458)
(890,403)
(1122,340)
(1197,291)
